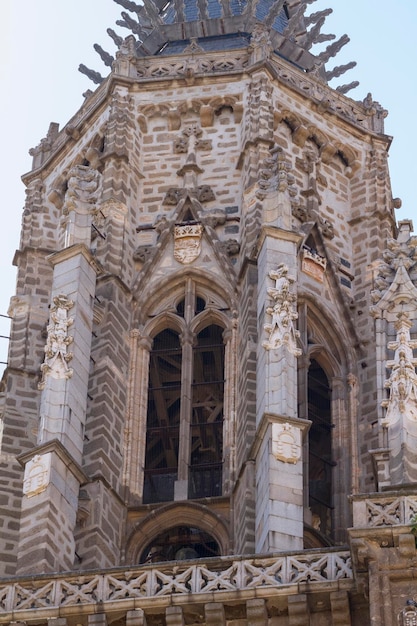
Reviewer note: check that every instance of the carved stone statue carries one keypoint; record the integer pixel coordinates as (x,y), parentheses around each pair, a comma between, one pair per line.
(281,328)
(56,353)
(403,380)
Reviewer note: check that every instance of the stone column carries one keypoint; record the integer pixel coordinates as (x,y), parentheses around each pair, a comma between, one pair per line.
(52,470)
(135,430)
(277,349)
(49,506)
(184,451)
(279,482)
(65,371)
(229,407)
(278,447)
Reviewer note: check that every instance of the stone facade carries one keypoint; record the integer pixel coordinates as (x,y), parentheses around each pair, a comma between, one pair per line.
(210,403)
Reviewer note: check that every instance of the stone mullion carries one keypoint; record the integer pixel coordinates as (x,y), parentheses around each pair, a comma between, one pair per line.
(181,486)
(229,407)
(380,347)
(181,489)
(341,472)
(302,399)
(135,431)
(353,431)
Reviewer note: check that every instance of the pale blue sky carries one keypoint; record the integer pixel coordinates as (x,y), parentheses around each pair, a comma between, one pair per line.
(43,42)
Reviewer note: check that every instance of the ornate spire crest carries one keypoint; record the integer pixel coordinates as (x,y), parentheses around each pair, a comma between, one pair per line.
(276,25)
(394,289)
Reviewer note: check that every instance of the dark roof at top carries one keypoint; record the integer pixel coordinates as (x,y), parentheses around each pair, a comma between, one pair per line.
(167,27)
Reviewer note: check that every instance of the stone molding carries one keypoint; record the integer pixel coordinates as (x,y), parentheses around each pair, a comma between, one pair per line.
(74,250)
(56,447)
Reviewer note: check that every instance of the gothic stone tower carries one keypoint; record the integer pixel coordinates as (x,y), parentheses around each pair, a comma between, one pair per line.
(210,407)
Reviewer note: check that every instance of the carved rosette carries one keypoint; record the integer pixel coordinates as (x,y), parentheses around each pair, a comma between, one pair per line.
(57,356)
(403,380)
(281,329)
(187,242)
(286,443)
(37,475)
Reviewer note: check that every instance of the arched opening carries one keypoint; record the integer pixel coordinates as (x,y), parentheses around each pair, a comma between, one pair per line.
(320,459)
(163,418)
(205,477)
(180,543)
(184,424)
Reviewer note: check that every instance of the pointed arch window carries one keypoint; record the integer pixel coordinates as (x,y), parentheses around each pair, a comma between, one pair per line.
(163,420)
(205,476)
(320,463)
(184,433)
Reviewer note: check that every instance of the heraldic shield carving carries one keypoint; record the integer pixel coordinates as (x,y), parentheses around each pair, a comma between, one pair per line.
(286,443)
(187,242)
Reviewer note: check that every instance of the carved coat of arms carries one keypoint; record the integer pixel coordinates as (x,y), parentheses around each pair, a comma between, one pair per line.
(187,242)
(37,475)
(286,443)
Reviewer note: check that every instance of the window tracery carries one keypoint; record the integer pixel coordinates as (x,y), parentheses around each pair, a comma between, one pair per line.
(181,446)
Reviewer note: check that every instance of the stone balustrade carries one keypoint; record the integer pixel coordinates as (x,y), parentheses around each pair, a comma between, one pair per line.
(382,509)
(141,587)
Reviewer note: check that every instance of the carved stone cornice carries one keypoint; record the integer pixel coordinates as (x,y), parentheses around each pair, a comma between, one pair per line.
(71,252)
